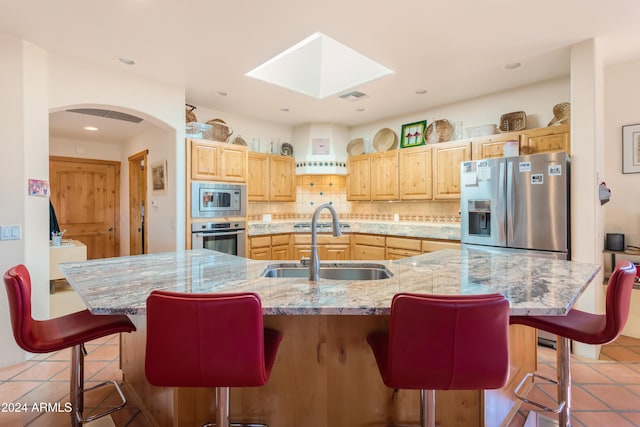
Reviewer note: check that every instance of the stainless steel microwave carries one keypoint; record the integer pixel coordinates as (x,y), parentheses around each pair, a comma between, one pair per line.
(212,199)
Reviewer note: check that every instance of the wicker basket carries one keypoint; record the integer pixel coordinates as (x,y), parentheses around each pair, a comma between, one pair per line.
(191,116)
(221,131)
(561,114)
(511,122)
(444,129)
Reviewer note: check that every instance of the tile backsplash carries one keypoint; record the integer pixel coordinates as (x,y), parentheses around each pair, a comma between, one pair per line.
(314,190)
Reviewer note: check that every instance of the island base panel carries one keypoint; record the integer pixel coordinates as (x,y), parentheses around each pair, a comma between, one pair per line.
(325,375)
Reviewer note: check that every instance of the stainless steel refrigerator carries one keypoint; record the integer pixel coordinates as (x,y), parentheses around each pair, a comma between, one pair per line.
(517,204)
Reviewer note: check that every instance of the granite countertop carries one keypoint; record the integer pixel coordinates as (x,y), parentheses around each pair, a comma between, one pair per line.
(534,286)
(425,230)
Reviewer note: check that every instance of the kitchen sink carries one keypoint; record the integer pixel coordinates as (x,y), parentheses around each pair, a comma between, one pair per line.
(331,271)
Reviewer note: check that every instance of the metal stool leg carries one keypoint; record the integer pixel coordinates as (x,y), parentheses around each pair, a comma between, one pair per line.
(222,412)
(427,408)
(563,361)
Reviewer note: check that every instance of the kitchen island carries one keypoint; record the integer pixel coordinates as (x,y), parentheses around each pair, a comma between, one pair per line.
(325,375)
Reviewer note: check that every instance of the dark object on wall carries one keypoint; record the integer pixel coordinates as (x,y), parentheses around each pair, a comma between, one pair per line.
(614,242)
(54,227)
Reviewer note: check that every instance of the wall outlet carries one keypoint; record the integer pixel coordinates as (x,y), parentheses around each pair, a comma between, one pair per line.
(10,232)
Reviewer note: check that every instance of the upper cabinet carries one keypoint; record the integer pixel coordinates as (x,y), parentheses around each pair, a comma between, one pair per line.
(416,171)
(217,161)
(359,177)
(546,140)
(446,169)
(384,176)
(533,141)
(271,178)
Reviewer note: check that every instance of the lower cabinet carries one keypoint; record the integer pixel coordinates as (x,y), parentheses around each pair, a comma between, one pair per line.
(329,247)
(269,247)
(368,247)
(402,247)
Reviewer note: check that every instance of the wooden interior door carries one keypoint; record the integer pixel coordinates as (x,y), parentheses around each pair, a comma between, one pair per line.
(138,203)
(86,197)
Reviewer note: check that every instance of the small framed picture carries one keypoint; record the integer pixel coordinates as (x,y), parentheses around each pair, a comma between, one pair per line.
(631,149)
(413,134)
(159,177)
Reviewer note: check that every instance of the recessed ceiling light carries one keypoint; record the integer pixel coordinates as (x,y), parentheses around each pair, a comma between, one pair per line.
(126,61)
(284,109)
(319,66)
(421,91)
(513,65)
(91,128)
(221,93)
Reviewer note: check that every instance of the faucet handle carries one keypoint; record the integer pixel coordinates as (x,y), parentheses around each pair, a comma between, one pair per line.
(305,261)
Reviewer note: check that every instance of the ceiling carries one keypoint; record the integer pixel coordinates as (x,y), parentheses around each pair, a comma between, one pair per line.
(453,49)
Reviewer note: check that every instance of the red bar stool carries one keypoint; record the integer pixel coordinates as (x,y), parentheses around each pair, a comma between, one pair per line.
(209,340)
(583,327)
(444,342)
(72,330)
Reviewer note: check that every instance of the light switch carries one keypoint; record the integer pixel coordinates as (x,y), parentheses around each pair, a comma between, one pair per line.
(9,232)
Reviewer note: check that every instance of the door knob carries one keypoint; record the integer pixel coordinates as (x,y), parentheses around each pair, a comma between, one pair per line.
(110,229)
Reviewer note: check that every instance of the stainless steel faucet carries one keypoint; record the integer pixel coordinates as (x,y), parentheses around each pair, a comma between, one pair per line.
(314,262)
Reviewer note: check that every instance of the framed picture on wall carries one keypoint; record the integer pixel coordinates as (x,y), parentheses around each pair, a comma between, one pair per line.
(631,149)
(159,177)
(413,134)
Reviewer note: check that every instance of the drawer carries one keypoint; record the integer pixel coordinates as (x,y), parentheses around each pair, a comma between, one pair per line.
(368,239)
(438,245)
(261,242)
(368,252)
(404,243)
(280,239)
(400,253)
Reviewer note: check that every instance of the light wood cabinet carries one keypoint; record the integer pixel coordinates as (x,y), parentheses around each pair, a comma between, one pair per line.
(330,248)
(416,173)
(368,247)
(433,245)
(546,140)
(268,247)
(271,178)
(402,247)
(215,161)
(359,177)
(280,247)
(446,169)
(384,176)
(491,146)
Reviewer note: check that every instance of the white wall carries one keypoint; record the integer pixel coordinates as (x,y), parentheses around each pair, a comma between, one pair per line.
(66,147)
(535,100)
(622,213)
(24,149)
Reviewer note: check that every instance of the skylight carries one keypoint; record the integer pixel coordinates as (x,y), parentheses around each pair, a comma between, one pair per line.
(319,66)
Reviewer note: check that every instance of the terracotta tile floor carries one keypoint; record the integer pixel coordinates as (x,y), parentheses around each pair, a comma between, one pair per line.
(606,392)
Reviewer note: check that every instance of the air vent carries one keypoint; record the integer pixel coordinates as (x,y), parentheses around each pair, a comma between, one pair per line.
(354,95)
(109,114)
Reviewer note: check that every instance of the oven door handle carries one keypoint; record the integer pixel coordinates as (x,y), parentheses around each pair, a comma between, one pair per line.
(225,233)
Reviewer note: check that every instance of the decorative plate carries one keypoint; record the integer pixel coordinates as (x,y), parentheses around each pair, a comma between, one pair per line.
(385,139)
(286,149)
(355,147)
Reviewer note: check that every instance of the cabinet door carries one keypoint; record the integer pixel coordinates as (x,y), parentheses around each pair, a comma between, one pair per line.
(205,158)
(487,147)
(233,163)
(280,252)
(547,140)
(384,176)
(258,177)
(300,251)
(263,254)
(282,178)
(446,169)
(366,252)
(334,252)
(359,177)
(416,181)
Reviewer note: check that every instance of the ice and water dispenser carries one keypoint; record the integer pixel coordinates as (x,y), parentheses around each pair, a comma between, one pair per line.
(479,218)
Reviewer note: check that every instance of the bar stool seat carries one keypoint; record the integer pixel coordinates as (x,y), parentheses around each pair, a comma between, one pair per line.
(209,340)
(587,328)
(72,330)
(443,342)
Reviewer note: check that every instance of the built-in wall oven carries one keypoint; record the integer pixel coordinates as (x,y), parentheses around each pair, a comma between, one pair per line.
(223,236)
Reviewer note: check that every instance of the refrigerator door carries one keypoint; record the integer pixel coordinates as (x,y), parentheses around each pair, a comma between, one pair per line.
(482,202)
(537,202)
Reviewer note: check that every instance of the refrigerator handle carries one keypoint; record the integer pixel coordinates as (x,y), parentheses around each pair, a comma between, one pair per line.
(502,226)
(510,202)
